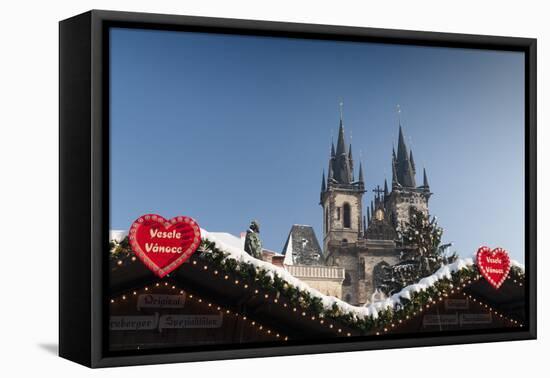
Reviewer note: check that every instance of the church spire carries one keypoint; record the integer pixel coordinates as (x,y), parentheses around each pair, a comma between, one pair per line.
(323,183)
(385,188)
(368,215)
(412,161)
(401,146)
(394,181)
(403,165)
(361,178)
(372,207)
(340,144)
(426,185)
(350,159)
(341,160)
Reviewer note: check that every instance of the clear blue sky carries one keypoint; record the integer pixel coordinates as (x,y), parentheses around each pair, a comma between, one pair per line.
(232,128)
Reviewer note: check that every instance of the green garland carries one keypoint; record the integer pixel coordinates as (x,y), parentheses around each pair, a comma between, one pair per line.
(277,286)
(120,250)
(274,284)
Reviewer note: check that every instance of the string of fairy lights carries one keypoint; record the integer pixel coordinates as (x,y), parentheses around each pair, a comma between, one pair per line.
(445,294)
(333,326)
(121,261)
(294,309)
(193,297)
(493,311)
(431,301)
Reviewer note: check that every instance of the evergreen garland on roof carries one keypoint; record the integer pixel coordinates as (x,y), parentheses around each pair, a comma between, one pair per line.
(394,310)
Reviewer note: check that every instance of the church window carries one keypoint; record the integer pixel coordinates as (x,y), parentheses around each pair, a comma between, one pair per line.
(361,268)
(348,298)
(347,280)
(338,209)
(347,215)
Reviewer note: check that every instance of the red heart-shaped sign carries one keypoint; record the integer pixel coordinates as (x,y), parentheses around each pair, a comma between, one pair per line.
(163,245)
(494,265)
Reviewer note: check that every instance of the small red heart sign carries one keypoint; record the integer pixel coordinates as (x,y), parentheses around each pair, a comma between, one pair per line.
(494,265)
(163,245)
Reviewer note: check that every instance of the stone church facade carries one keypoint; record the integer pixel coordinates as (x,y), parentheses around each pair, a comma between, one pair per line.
(362,244)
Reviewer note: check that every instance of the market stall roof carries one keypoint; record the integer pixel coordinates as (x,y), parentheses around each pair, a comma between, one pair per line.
(224,271)
(229,289)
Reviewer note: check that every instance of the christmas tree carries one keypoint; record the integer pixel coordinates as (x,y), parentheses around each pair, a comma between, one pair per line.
(421,255)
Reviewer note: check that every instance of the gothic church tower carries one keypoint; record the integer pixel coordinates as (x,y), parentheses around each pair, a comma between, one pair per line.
(365,246)
(405,194)
(342,196)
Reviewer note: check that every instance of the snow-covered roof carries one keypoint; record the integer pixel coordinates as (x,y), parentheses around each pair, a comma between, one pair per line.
(233,247)
(117,235)
(426,282)
(228,239)
(225,237)
(302,246)
(240,255)
(287,252)
(517,264)
(328,301)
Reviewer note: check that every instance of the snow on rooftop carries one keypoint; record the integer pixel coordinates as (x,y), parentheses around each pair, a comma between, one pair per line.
(234,247)
(517,264)
(226,238)
(426,282)
(238,254)
(117,235)
(328,301)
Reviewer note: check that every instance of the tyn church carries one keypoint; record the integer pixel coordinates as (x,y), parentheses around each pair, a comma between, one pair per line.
(363,244)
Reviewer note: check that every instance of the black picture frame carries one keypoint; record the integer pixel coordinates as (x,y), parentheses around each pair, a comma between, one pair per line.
(84,180)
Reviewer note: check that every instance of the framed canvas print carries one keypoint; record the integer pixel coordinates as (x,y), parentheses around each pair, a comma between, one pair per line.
(233,188)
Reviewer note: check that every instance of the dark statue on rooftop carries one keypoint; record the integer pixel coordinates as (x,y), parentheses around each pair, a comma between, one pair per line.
(252,242)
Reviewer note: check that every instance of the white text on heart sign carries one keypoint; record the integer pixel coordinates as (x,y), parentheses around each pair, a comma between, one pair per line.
(155,233)
(155,248)
(493,261)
